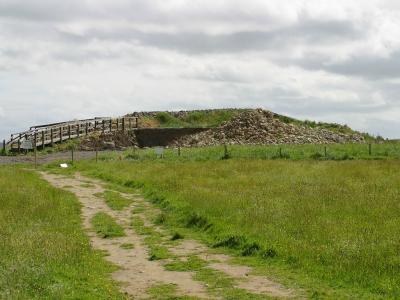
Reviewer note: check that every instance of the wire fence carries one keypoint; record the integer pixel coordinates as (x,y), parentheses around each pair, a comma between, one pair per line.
(387,150)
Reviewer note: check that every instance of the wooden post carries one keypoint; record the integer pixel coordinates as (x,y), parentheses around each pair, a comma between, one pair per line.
(72,155)
(43,139)
(117,124)
(51,136)
(78,129)
(130,123)
(34,148)
(226,155)
(95,125)
(110,124)
(86,129)
(19,143)
(103,126)
(369,149)
(60,132)
(137,123)
(69,132)
(123,124)
(325,151)
(4,146)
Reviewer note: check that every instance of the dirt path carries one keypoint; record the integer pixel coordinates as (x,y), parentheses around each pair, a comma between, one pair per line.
(138,272)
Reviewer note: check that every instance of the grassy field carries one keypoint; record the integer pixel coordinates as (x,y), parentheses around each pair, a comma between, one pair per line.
(334,152)
(44,253)
(333,226)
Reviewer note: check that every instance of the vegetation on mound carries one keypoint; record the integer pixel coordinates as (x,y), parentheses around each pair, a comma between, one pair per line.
(212,118)
(334,127)
(44,253)
(323,223)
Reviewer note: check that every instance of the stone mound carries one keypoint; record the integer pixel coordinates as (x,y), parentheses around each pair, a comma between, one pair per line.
(262,127)
(108,141)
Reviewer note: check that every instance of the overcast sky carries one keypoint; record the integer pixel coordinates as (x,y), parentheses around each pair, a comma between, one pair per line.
(323,60)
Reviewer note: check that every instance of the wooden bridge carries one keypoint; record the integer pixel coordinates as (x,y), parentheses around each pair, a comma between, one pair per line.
(49,134)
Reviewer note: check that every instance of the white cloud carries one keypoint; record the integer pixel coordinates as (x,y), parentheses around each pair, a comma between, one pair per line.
(326,60)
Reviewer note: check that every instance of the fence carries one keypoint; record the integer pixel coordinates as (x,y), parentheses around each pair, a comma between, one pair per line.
(381,151)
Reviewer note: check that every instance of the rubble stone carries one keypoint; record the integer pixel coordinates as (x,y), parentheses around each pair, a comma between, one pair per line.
(262,127)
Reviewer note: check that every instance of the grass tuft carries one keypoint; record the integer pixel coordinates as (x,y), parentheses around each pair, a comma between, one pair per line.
(105,226)
(127,246)
(176,236)
(114,200)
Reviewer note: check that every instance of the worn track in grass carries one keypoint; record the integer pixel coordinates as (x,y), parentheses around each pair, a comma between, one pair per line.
(136,272)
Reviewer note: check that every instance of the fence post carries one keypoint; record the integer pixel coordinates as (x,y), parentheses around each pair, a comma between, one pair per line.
(78,129)
(369,149)
(86,128)
(103,126)
(123,124)
(4,146)
(60,133)
(97,154)
(51,136)
(72,155)
(34,148)
(325,151)
(34,139)
(19,143)
(117,124)
(137,122)
(179,150)
(226,155)
(280,152)
(43,139)
(69,132)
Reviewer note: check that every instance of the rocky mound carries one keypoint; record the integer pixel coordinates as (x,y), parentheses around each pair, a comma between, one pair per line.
(108,141)
(261,127)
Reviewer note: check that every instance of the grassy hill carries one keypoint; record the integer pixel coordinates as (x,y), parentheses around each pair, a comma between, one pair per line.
(215,117)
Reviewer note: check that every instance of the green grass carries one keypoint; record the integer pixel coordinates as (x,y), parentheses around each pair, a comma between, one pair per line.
(127,246)
(114,200)
(212,118)
(87,185)
(44,253)
(166,292)
(331,225)
(153,239)
(334,152)
(105,226)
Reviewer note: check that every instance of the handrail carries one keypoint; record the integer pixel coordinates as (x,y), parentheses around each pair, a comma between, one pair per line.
(46,134)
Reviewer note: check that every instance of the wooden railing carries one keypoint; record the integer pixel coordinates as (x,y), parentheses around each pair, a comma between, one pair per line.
(49,134)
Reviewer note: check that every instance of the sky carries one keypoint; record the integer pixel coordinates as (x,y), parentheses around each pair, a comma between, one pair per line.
(335,61)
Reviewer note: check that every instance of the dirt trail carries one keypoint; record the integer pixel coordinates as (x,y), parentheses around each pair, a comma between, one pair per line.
(137,273)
